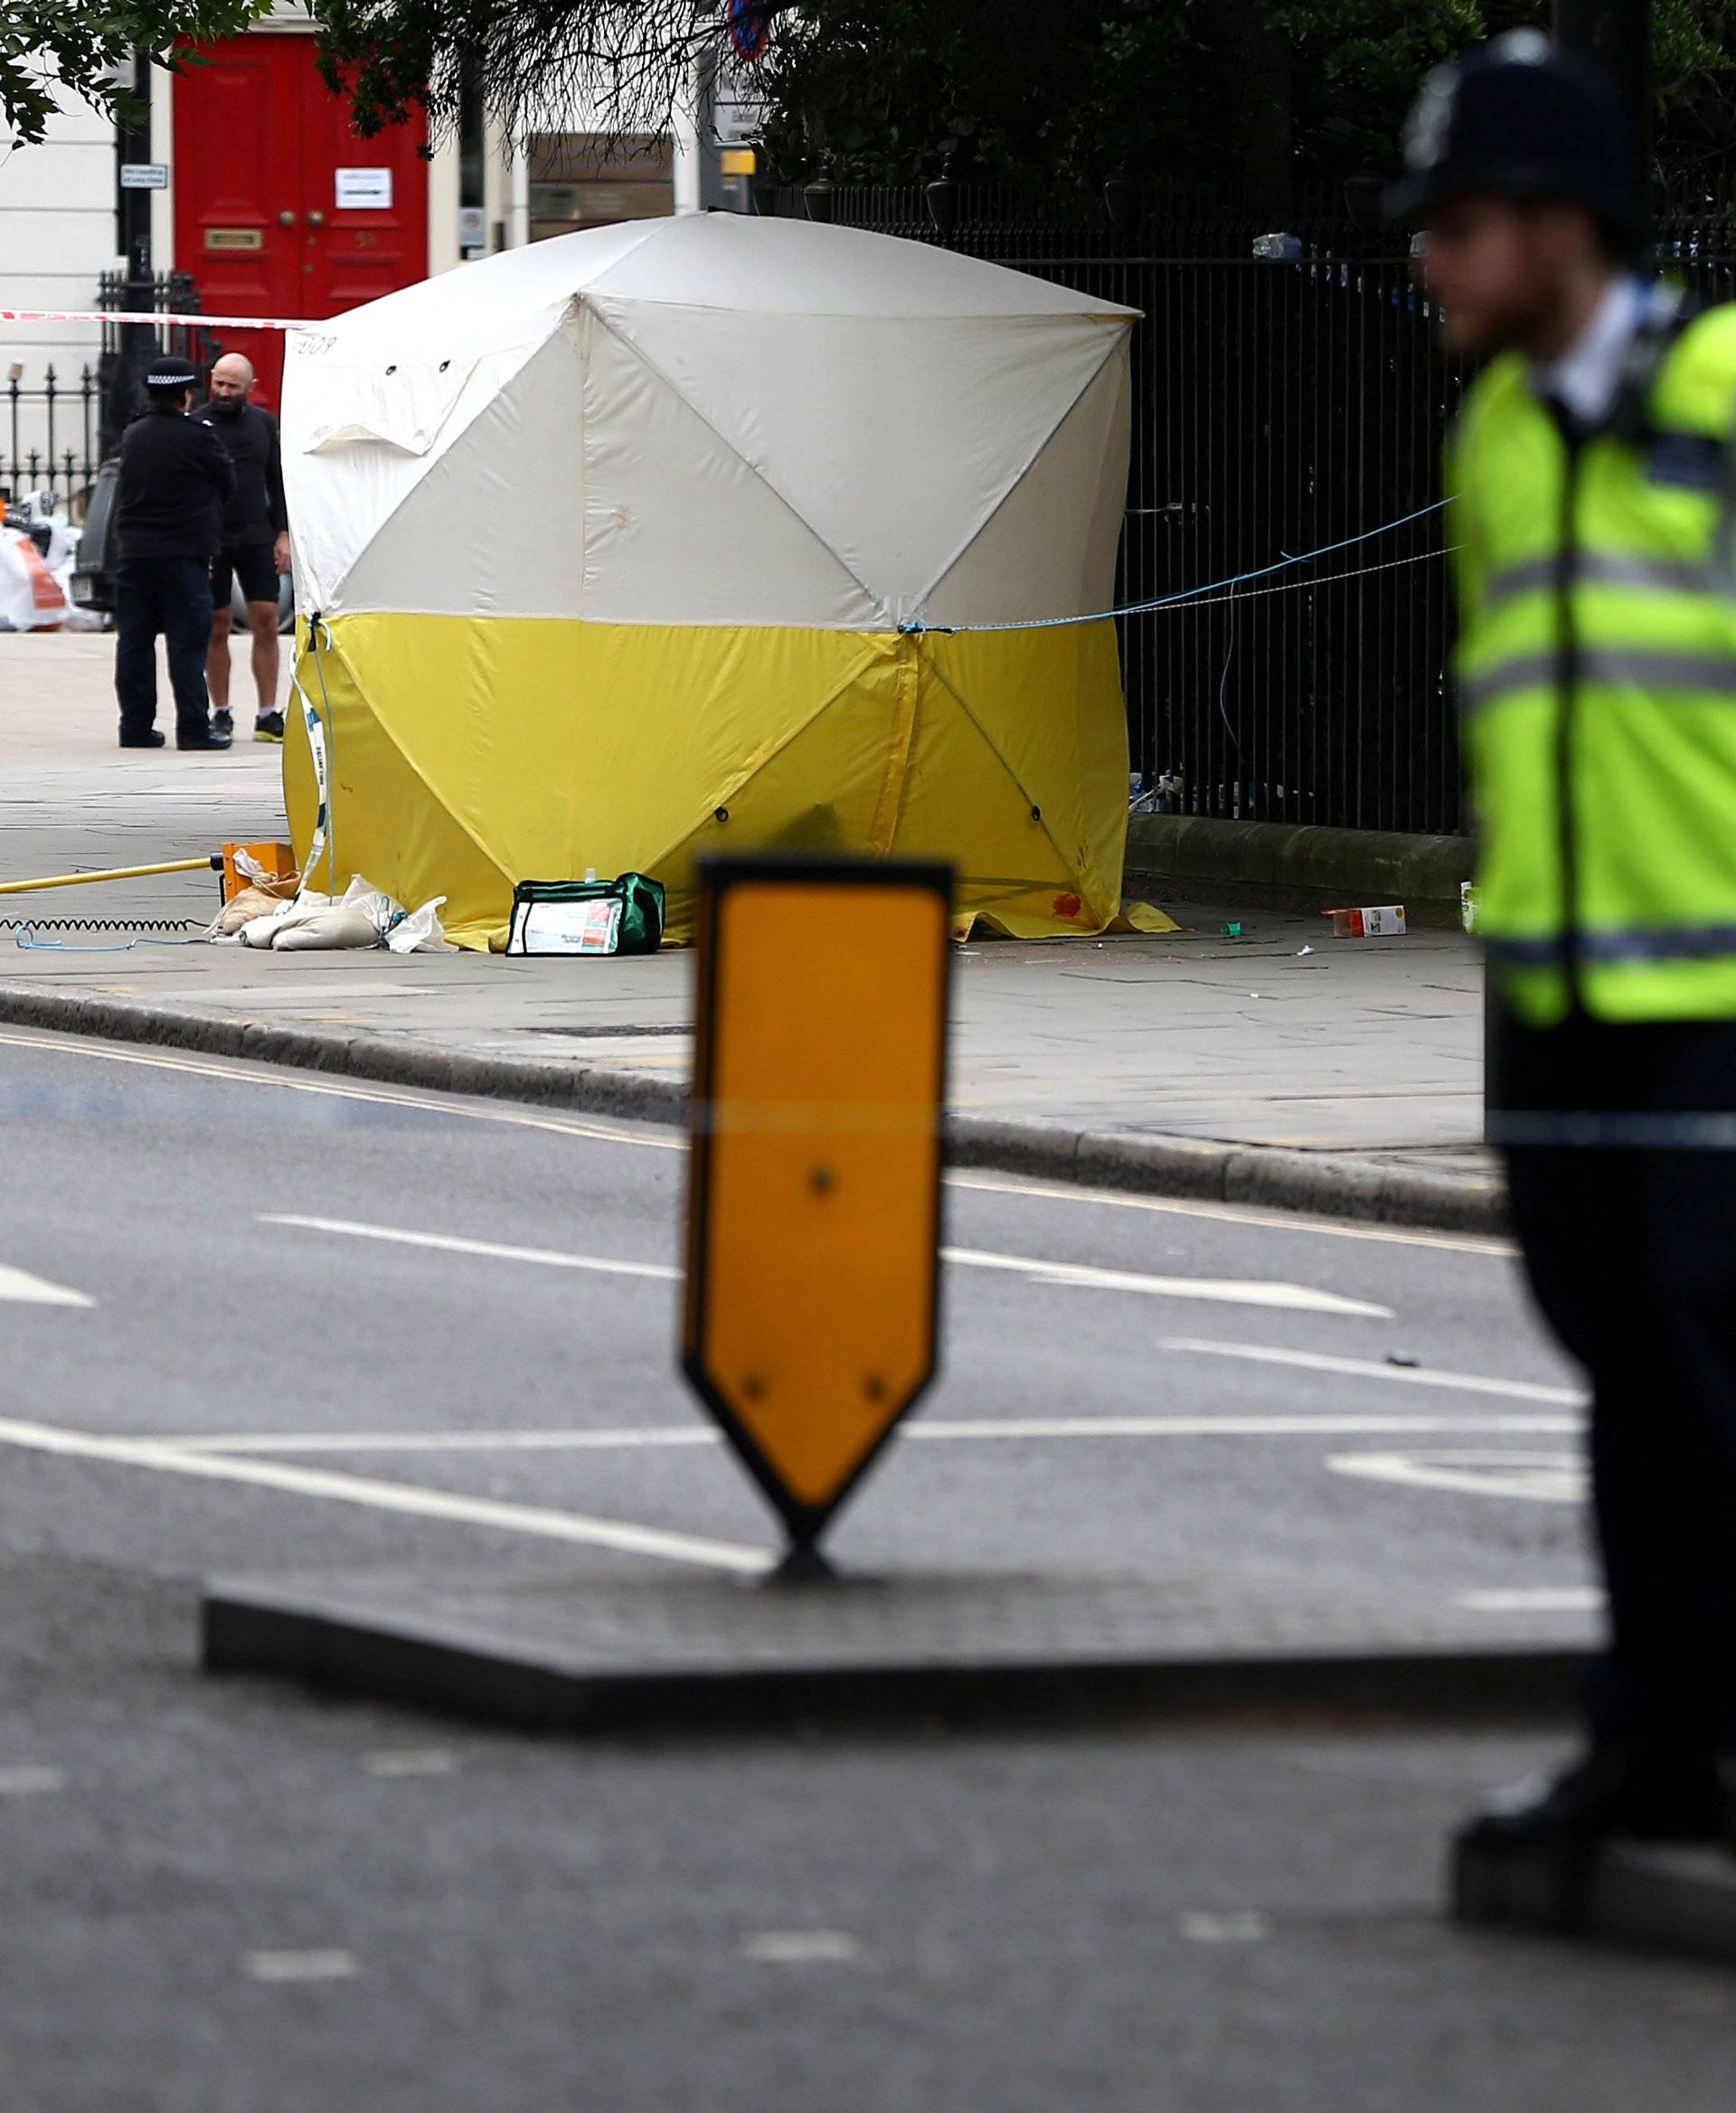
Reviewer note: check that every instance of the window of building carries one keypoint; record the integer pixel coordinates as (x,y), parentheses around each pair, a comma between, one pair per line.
(574,184)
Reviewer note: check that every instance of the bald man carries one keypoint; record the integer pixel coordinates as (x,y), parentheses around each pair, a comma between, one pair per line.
(255,546)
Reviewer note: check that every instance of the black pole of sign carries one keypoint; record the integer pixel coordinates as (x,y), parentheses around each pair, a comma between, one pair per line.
(138,344)
(1618,34)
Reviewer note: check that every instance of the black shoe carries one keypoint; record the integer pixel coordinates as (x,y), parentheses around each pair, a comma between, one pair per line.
(222,721)
(210,738)
(150,739)
(268,727)
(1635,1792)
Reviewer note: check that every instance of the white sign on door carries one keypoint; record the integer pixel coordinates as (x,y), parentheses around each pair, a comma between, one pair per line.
(362,190)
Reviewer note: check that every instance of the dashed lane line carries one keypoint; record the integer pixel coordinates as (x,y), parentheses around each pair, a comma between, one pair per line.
(301,1965)
(1532,1599)
(1224,1291)
(28,1290)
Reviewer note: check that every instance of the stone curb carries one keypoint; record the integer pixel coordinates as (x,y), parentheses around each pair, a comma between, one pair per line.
(1332,1184)
(413,1661)
(1298,866)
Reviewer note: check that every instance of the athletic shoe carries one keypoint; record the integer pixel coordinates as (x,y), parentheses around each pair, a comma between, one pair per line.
(224,721)
(268,727)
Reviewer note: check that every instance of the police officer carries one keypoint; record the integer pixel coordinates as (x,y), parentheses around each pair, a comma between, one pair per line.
(175,478)
(1595,521)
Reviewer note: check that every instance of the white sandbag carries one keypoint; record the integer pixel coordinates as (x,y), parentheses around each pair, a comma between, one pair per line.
(341,925)
(244,906)
(263,931)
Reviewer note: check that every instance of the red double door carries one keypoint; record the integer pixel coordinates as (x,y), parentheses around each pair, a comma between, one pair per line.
(280,208)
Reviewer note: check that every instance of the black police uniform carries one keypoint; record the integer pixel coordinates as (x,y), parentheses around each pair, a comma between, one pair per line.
(255,515)
(175,478)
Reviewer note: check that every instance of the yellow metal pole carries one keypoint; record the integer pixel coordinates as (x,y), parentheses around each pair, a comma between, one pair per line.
(178,866)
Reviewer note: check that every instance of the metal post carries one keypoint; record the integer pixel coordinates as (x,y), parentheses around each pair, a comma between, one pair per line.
(1618,35)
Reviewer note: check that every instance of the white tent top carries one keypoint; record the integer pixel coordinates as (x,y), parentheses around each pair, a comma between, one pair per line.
(708,260)
(712,420)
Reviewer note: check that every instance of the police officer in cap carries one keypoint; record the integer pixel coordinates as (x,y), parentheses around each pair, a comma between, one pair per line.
(174,477)
(1596,555)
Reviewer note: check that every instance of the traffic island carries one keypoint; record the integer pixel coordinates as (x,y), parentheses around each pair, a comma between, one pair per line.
(556,1651)
(1654,1897)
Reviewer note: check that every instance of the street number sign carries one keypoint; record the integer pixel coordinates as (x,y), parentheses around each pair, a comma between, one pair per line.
(812,1308)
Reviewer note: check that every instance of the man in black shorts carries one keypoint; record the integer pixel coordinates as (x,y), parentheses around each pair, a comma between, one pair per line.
(255,546)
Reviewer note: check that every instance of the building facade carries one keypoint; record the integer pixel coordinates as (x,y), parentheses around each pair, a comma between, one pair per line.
(248,179)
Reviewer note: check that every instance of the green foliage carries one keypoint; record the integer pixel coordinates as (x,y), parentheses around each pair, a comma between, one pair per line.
(77,44)
(1216,92)
(891,90)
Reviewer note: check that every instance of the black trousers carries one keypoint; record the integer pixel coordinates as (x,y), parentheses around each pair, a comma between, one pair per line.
(170,596)
(1631,1252)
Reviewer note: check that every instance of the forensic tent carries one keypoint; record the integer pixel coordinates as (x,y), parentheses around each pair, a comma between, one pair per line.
(714,532)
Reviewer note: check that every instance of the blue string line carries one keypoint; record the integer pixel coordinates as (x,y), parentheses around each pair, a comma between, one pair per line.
(1141,608)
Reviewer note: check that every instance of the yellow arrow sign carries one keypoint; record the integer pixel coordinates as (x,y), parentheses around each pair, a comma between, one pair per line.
(814,1204)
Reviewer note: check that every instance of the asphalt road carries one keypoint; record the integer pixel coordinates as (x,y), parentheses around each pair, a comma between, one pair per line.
(229,1896)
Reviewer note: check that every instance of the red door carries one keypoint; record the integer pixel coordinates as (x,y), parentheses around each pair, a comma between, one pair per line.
(280,208)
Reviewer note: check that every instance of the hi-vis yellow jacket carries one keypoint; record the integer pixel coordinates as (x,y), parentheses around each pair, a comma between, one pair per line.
(1597,677)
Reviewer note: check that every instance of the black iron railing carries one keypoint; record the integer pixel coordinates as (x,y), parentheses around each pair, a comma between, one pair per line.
(47,436)
(1287,394)
(168,305)
(55,433)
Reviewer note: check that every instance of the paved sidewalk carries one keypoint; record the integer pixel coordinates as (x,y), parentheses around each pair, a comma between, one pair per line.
(1286,1065)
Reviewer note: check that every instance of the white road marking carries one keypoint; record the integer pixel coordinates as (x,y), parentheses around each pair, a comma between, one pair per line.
(1292,1297)
(1363,1368)
(1008,1429)
(239,1074)
(237,1070)
(20,1285)
(788,1947)
(1225,1291)
(1539,1477)
(302,1966)
(25,1779)
(1533,1600)
(390,1497)
(413,1760)
(1466,1243)
(656,1436)
(496,1250)
(1240,1925)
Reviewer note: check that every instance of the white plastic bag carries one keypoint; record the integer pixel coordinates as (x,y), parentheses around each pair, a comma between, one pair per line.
(30,596)
(421,932)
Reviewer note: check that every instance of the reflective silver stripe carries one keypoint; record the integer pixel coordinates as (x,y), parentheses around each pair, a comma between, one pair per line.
(1703,942)
(1713,673)
(1526,670)
(1651,1133)
(1654,575)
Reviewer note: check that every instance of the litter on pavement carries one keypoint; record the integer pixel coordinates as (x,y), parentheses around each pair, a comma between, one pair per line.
(1382,922)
